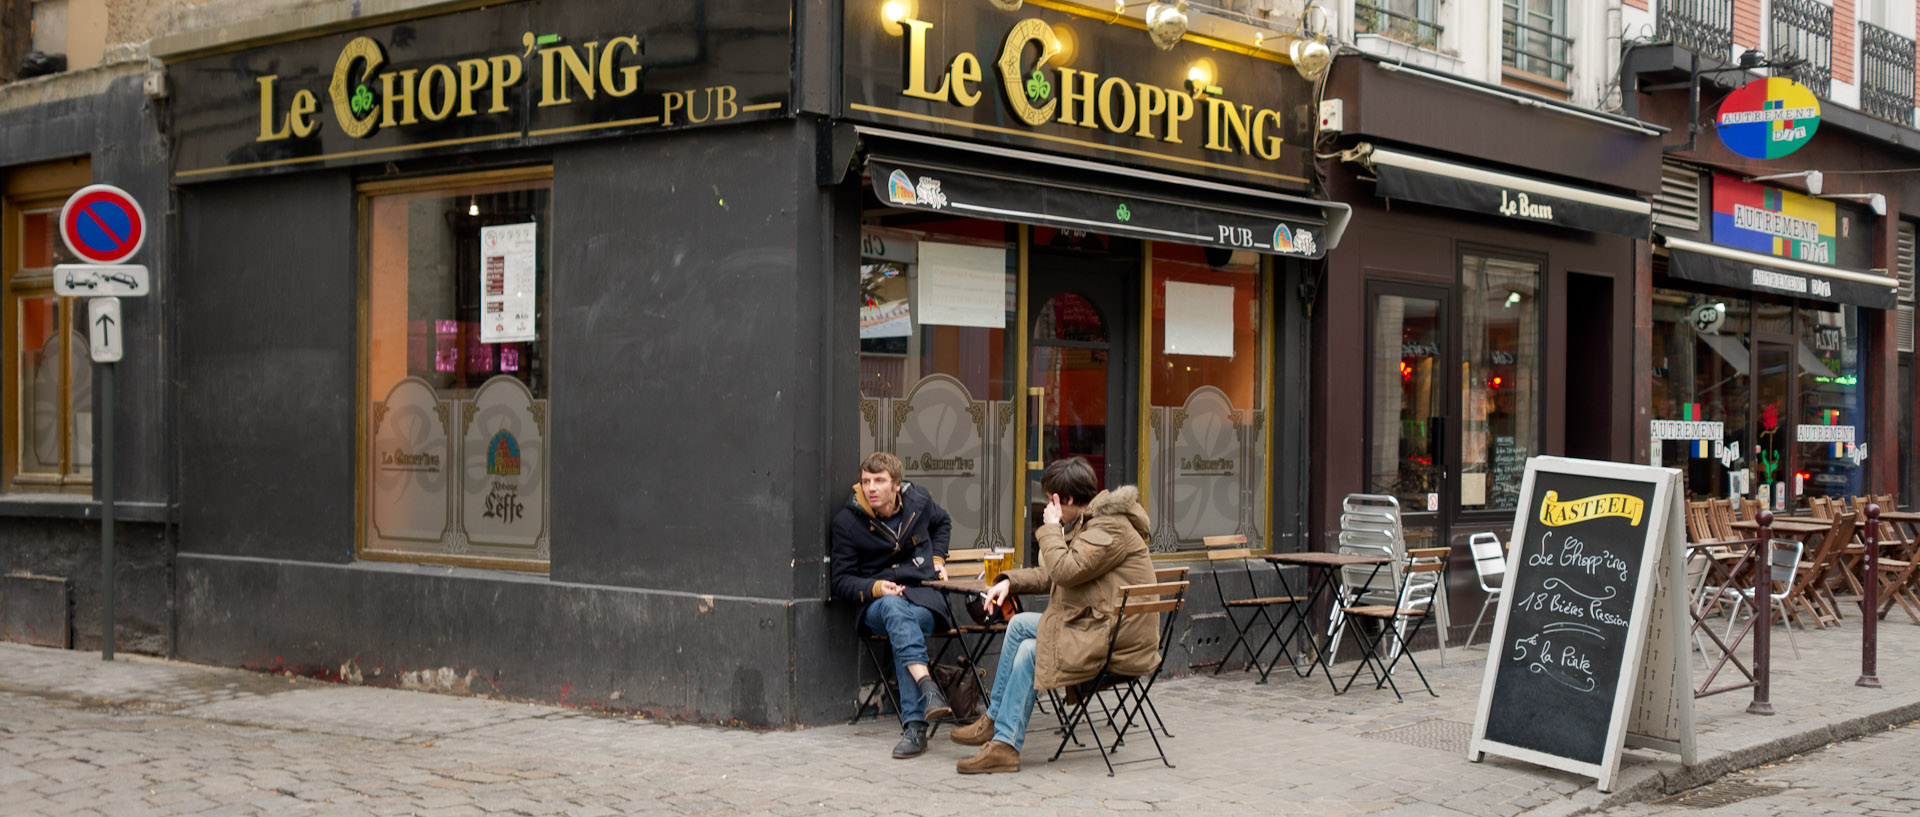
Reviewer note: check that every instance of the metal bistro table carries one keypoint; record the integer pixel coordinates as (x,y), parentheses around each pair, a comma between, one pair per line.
(1323,571)
(949,588)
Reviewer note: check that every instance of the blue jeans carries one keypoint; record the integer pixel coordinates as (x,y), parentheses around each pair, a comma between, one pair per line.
(1013,695)
(906,626)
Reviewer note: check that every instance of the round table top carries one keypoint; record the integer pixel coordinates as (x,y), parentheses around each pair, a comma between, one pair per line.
(1325,559)
(957,585)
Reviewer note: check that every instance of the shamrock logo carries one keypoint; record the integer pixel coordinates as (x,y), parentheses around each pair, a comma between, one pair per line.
(1123,213)
(362,100)
(1038,87)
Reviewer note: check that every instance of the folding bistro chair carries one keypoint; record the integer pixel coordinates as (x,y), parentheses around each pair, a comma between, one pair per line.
(1415,605)
(1161,575)
(1784,557)
(1369,526)
(1136,600)
(1806,593)
(1222,551)
(1490,565)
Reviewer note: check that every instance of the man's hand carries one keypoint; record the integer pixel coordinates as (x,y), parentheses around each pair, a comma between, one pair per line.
(1051,515)
(998,593)
(888,588)
(940,568)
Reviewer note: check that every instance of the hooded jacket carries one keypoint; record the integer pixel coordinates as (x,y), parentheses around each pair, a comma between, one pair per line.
(866,551)
(1082,569)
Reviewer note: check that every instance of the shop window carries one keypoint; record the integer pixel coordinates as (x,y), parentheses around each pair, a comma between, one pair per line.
(936,370)
(1701,362)
(1831,420)
(1500,339)
(1206,370)
(48,377)
(455,454)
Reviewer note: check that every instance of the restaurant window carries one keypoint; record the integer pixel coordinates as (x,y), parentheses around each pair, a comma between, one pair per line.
(1832,422)
(1500,337)
(1701,362)
(48,374)
(457,284)
(1206,374)
(936,377)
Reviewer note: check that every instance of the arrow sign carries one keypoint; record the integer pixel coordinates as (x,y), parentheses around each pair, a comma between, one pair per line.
(103,329)
(93,280)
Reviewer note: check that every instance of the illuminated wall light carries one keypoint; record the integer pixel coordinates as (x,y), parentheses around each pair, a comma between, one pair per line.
(894,11)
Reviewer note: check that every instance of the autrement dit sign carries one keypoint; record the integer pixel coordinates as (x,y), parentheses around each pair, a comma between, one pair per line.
(505,76)
(1057,78)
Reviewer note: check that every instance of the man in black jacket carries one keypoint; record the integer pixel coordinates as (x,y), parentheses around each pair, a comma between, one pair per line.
(889,538)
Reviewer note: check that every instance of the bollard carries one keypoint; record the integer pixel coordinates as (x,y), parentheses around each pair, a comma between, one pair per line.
(1762,616)
(1870,609)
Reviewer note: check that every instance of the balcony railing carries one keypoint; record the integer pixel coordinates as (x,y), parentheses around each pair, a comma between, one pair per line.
(1531,48)
(1886,74)
(1704,27)
(1378,18)
(1803,29)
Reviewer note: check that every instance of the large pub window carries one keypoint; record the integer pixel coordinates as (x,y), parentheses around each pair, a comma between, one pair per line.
(48,397)
(455,458)
(1500,337)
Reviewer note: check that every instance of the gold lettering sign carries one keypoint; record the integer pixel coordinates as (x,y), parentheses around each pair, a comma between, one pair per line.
(1572,511)
(1118,105)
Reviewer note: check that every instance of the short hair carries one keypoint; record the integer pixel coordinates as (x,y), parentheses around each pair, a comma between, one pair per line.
(1071,478)
(880,461)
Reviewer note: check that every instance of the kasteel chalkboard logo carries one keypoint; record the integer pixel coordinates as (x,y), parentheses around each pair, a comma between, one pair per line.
(1768,118)
(1573,511)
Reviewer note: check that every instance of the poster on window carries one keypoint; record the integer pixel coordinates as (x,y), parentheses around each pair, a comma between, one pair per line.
(506,282)
(1199,319)
(410,467)
(963,285)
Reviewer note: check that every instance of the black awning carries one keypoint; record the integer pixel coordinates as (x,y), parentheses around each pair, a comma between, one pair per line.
(1480,190)
(1003,186)
(1739,269)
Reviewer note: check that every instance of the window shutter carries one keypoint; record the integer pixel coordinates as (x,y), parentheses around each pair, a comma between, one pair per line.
(1903,318)
(1678,204)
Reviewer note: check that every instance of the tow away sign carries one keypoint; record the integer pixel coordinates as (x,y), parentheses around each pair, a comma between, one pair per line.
(94,280)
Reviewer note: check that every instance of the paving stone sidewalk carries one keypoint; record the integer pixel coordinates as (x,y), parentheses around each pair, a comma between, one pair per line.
(145,736)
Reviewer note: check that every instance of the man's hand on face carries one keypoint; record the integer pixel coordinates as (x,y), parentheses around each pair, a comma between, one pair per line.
(888,588)
(998,592)
(1052,514)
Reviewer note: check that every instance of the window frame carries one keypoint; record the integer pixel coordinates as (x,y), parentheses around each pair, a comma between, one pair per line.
(364,193)
(31,189)
(1521,59)
(1456,444)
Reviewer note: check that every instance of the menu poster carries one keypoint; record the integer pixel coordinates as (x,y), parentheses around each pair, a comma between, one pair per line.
(1590,544)
(507,283)
(1199,319)
(963,285)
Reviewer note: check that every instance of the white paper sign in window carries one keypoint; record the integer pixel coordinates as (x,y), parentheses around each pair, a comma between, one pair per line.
(506,282)
(1199,319)
(963,285)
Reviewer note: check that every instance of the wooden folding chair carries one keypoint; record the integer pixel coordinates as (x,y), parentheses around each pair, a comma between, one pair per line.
(1806,595)
(1897,586)
(1136,600)
(1222,551)
(1425,574)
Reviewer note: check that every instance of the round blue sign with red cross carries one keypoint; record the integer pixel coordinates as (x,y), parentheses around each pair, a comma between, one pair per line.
(103,225)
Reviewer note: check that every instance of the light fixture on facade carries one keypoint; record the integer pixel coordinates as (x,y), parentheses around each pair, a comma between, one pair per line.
(473,205)
(1167,22)
(1875,201)
(894,11)
(1310,53)
(1813,179)
(1200,78)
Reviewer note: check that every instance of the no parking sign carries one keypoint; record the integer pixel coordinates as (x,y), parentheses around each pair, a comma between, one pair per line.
(103,225)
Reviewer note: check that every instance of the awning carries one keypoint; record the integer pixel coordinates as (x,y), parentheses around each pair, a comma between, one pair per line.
(1730,349)
(1741,269)
(1476,189)
(980,181)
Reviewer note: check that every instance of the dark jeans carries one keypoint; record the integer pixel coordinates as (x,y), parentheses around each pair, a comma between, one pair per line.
(906,625)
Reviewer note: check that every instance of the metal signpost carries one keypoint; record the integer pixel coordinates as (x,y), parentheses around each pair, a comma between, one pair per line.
(105,226)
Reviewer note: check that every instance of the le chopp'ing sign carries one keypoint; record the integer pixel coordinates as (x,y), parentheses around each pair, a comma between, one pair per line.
(1060,78)
(509,75)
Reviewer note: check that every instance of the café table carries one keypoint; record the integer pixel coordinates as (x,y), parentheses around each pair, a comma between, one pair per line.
(1323,578)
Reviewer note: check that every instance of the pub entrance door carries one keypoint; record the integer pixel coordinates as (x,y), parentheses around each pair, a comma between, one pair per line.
(1082,367)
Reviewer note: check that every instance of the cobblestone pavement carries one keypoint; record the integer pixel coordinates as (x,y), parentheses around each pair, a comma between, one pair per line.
(1870,776)
(144,736)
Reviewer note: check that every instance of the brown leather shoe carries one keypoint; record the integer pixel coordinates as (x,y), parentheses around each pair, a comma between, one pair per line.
(993,757)
(973,734)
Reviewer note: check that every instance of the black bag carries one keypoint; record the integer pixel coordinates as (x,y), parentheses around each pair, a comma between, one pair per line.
(957,682)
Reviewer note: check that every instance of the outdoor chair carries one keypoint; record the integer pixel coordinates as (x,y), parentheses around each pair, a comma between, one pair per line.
(1222,553)
(1897,580)
(1425,575)
(1133,691)
(1784,557)
(1806,593)
(1369,526)
(1490,566)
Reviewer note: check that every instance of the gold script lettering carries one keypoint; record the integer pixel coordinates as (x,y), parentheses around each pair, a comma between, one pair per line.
(1031,30)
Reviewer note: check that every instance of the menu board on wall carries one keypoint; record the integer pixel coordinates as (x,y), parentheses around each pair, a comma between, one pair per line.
(963,285)
(1579,640)
(507,282)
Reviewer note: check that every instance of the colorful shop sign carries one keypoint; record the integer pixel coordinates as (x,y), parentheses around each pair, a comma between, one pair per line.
(505,76)
(1774,222)
(1768,118)
(1061,78)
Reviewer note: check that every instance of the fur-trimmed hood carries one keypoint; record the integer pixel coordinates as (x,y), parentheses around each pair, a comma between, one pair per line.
(1122,501)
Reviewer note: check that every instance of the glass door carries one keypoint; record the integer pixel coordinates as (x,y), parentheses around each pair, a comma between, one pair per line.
(1082,368)
(1773,420)
(1408,405)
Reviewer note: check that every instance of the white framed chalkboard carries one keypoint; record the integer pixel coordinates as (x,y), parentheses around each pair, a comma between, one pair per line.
(1565,680)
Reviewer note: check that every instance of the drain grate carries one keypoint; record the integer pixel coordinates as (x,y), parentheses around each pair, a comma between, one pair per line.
(1449,736)
(1722,793)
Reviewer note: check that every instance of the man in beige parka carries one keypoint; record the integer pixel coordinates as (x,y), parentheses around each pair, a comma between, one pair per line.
(1092,543)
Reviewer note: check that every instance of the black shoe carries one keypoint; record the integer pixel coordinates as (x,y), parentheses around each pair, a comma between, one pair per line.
(913,741)
(937,708)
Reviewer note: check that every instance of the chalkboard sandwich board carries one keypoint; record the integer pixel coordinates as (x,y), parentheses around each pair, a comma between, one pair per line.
(1589,647)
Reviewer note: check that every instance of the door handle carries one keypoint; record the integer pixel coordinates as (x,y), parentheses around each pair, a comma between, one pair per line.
(1039,408)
